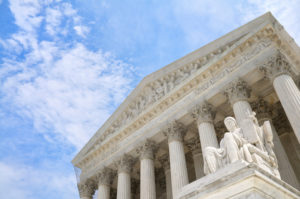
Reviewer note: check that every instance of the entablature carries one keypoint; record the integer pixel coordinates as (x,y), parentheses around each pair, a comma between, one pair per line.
(196,76)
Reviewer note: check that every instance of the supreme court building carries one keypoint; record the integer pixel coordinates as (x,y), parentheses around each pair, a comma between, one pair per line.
(221,122)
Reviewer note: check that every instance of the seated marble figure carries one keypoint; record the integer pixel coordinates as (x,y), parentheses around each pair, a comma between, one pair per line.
(234,147)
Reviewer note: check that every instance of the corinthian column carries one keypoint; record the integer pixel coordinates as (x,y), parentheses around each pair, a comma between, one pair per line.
(179,175)
(124,166)
(86,189)
(147,170)
(264,113)
(204,115)
(278,70)
(238,92)
(104,178)
(164,161)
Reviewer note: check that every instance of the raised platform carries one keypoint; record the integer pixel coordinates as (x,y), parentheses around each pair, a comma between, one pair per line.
(239,181)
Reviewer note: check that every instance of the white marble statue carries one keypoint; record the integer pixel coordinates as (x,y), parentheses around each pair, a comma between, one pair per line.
(234,147)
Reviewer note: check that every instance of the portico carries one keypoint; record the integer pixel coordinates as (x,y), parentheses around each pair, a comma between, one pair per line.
(170,119)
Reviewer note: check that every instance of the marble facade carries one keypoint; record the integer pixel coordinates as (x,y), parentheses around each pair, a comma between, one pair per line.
(168,139)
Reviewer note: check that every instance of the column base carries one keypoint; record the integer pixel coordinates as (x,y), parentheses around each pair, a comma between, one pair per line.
(239,180)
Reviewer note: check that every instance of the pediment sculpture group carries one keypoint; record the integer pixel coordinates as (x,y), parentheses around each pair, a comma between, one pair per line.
(235,146)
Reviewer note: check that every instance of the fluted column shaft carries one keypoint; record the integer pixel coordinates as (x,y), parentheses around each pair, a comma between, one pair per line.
(147,179)
(241,111)
(179,174)
(103,191)
(204,115)
(198,164)
(124,185)
(104,178)
(238,93)
(207,135)
(147,170)
(278,70)
(289,96)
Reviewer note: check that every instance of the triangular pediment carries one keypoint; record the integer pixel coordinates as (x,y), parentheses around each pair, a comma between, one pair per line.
(161,88)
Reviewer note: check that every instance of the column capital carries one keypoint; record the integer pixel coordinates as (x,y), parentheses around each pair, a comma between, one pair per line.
(263,109)
(203,112)
(147,149)
(237,90)
(174,131)
(105,176)
(165,161)
(86,189)
(276,65)
(124,164)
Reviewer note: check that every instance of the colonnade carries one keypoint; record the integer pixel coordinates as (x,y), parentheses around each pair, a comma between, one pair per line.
(176,173)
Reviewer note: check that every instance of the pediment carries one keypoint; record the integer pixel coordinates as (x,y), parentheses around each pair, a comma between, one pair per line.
(162,88)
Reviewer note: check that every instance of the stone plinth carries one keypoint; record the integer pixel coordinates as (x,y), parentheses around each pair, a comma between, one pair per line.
(239,180)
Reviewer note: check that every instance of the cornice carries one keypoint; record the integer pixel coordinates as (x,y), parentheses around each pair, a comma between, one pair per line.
(199,81)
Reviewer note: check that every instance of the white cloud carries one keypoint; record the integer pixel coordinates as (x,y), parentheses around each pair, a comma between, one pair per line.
(63,87)
(81,30)
(72,94)
(53,20)
(26,14)
(23,182)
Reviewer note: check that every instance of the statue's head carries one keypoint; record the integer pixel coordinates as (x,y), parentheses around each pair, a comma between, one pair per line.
(230,123)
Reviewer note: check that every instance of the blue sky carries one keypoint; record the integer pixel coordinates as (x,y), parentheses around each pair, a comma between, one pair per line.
(66,65)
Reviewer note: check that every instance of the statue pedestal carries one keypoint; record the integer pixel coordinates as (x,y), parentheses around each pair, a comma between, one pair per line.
(239,180)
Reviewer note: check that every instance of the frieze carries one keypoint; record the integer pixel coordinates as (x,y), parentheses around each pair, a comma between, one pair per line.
(261,42)
(264,43)
(157,89)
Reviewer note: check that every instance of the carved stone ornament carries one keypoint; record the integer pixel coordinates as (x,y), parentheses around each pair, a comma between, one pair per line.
(124,164)
(147,149)
(203,112)
(234,147)
(174,131)
(237,90)
(276,65)
(86,189)
(128,121)
(105,176)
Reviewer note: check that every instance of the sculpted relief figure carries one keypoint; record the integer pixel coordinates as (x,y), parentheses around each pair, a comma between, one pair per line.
(234,147)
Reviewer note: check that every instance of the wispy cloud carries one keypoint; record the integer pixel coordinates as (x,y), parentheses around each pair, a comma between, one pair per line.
(23,182)
(81,30)
(61,85)
(65,89)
